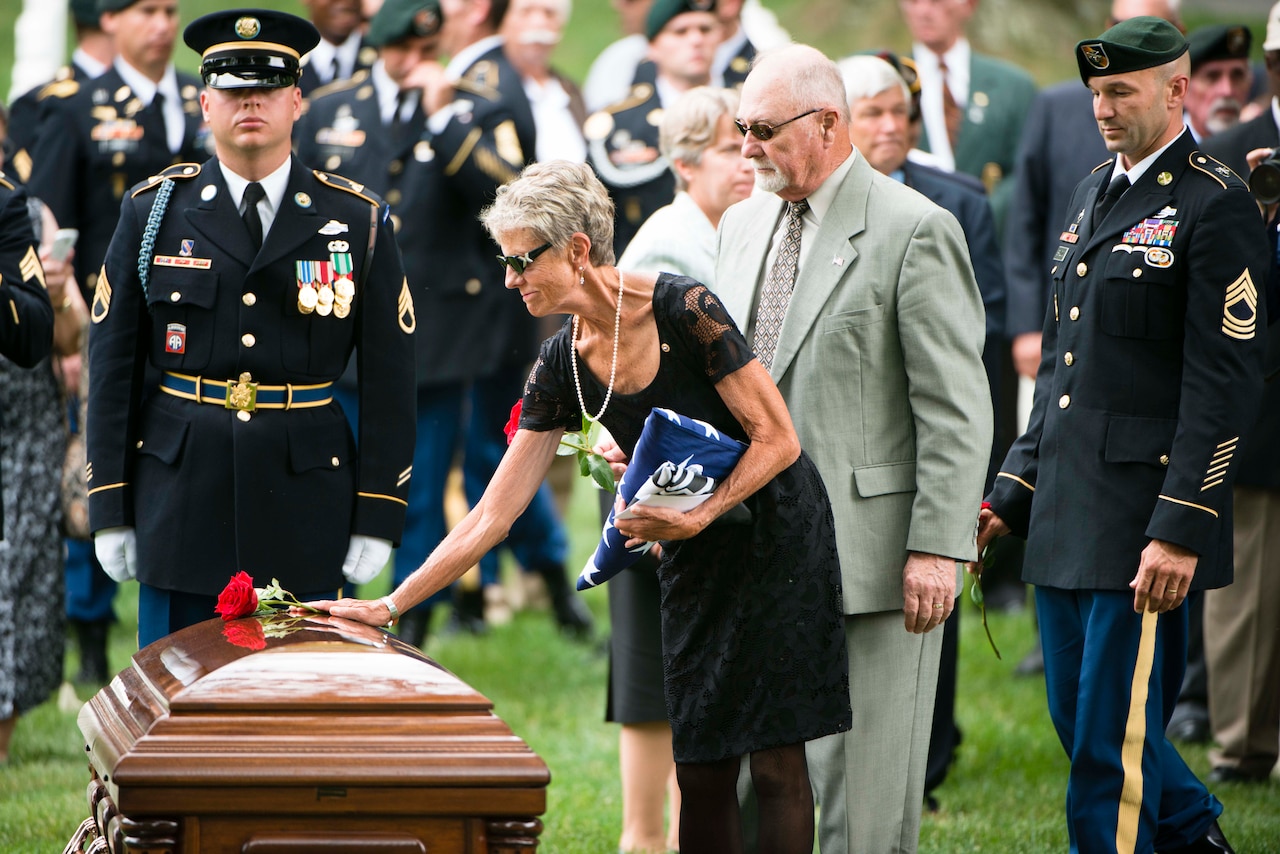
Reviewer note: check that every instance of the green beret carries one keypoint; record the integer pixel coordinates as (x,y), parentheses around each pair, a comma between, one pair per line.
(1219,42)
(400,19)
(1131,45)
(250,48)
(662,11)
(85,12)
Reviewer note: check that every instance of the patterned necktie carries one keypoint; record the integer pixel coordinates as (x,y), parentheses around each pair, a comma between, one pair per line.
(1108,200)
(778,285)
(252,220)
(951,113)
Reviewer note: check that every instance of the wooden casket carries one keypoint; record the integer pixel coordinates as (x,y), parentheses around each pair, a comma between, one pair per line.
(284,735)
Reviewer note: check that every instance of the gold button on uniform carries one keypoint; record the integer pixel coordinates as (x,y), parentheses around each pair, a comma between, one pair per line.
(393,197)
(248,340)
(175,296)
(1081,269)
(249,298)
(472,286)
(1164,459)
(244,415)
(335,462)
(1075,312)
(1064,401)
(1069,358)
(1137,273)
(395,167)
(139,445)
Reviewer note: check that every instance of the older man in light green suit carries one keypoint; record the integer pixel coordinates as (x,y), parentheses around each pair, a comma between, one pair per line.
(879,359)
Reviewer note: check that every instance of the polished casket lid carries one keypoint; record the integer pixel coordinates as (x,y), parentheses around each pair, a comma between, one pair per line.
(281,701)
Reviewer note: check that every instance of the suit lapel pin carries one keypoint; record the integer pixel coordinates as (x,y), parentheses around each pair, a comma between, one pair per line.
(838,261)
(302,200)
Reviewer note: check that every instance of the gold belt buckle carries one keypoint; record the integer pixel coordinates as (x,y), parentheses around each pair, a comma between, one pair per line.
(242,395)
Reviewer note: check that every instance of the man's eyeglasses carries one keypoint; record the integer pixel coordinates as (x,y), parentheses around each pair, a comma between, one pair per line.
(764,131)
(520,263)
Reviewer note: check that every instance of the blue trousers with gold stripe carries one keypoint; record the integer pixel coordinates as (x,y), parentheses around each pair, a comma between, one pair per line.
(1112,677)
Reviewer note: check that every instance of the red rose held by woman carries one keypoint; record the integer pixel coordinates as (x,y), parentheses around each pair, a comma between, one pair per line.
(513,423)
(238,599)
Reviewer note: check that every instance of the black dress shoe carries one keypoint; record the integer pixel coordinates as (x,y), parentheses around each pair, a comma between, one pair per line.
(1189,722)
(92,640)
(1213,842)
(1230,774)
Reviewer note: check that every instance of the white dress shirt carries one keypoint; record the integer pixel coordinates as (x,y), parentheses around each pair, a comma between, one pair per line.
(145,89)
(931,82)
(274,185)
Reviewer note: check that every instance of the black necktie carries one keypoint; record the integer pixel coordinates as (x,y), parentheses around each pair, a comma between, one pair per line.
(397,117)
(1108,199)
(252,195)
(153,124)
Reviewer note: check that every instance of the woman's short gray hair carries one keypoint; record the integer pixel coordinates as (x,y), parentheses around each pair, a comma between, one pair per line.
(689,127)
(555,199)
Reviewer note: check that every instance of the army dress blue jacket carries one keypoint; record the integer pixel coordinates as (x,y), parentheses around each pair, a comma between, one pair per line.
(229,483)
(1150,378)
(92,147)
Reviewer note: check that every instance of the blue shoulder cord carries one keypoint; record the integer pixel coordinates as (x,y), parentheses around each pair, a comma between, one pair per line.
(147,250)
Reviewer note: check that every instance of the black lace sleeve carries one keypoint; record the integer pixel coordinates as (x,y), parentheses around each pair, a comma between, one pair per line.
(706,330)
(549,400)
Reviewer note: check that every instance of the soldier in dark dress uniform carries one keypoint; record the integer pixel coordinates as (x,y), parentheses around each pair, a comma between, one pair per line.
(92,56)
(241,459)
(114,132)
(622,139)
(342,51)
(1122,484)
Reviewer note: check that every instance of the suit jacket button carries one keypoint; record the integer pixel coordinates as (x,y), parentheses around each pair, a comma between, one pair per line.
(248,340)
(1081,269)
(1064,401)
(472,286)
(1069,358)
(1164,459)
(1075,312)
(249,298)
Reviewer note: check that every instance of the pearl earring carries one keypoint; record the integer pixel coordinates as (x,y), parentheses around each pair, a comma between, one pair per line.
(582,278)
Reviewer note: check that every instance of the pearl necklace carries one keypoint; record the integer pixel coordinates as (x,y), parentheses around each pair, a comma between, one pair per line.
(613,366)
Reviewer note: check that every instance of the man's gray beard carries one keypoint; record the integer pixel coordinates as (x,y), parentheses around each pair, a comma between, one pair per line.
(770,182)
(543,37)
(1217,122)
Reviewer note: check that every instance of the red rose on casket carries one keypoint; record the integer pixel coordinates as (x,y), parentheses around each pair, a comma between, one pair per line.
(238,599)
(245,633)
(513,423)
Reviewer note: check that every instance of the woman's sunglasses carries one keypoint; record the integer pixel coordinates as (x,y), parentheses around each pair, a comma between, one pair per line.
(520,262)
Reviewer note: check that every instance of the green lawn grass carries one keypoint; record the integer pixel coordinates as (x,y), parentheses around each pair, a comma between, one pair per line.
(1004,794)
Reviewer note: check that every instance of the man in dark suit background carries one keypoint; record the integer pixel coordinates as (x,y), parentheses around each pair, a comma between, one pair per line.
(880,109)
(1242,621)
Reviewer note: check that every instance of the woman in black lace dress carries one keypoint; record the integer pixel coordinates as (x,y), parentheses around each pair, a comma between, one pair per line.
(753,643)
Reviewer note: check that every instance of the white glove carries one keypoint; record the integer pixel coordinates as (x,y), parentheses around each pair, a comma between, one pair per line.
(117,551)
(366,556)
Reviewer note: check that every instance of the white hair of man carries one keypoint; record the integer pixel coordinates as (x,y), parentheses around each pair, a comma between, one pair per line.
(689,127)
(815,83)
(868,76)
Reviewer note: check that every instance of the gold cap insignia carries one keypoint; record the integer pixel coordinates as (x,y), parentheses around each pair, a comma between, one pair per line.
(1095,55)
(1238,42)
(248,27)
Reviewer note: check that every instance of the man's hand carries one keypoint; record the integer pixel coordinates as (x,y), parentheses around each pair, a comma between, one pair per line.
(928,591)
(1164,577)
(117,551)
(366,556)
(1026,354)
